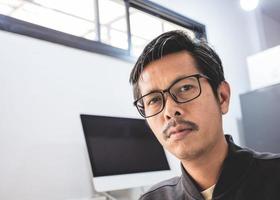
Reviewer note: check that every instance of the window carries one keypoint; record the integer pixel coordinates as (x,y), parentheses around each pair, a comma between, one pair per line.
(155,26)
(119,28)
(73,17)
(113,26)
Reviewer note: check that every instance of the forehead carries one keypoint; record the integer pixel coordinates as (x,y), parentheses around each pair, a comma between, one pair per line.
(159,74)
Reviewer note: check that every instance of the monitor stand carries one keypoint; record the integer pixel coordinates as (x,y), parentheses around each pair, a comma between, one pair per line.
(110,197)
(103,196)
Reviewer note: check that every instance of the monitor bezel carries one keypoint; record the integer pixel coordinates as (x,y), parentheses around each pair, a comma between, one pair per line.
(131,180)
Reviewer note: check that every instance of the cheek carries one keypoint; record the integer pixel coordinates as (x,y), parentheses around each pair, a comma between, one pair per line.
(156,126)
(205,111)
(211,117)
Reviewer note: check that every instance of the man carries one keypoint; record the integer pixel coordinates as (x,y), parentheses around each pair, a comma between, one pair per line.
(179,87)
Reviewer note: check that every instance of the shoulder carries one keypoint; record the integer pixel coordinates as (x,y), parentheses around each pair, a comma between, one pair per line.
(266,160)
(170,183)
(250,154)
(264,156)
(165,188)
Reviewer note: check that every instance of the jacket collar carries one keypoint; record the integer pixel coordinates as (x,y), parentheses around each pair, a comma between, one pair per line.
(234,169)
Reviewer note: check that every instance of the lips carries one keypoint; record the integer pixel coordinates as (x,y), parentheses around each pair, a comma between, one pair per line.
(178,128)
(179,132)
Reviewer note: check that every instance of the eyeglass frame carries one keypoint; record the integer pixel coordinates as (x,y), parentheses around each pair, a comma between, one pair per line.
(162,92)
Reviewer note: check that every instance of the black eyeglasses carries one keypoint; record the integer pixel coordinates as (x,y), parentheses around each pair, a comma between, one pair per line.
(181,91)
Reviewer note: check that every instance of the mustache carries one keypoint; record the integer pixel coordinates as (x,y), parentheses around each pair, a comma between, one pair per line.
(177,121)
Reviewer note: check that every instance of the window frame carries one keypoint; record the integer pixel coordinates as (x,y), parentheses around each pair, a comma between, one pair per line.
(21,27)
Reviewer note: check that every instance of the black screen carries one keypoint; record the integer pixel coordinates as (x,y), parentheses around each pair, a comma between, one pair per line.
(261,118)
(122,146)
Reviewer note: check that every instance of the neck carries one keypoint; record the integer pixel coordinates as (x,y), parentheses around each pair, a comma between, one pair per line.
(206,169)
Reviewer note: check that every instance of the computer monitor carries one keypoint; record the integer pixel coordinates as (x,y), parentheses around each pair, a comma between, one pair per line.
(124,153)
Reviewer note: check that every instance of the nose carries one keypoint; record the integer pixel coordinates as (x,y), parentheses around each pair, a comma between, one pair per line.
(172,109)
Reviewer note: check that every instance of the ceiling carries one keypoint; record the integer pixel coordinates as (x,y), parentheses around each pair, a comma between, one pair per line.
(271,8)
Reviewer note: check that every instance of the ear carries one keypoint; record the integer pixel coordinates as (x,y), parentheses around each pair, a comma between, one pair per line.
(224,96)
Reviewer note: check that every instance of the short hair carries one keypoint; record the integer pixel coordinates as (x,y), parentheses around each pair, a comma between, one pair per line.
(207,60)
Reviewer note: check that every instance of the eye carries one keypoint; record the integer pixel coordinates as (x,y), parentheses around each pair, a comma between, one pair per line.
(186,88)
(154,100)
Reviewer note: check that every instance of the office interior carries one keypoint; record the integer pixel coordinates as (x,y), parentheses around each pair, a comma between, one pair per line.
(45,86)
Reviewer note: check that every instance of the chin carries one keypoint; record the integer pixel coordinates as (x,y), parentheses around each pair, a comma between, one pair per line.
(189,153)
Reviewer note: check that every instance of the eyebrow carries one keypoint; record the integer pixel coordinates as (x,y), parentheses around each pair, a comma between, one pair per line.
(151,91)
(172,82)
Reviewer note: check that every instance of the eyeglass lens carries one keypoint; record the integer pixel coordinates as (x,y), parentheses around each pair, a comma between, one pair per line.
(181,91)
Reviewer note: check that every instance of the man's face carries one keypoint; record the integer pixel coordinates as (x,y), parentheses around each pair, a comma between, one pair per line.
(187,130)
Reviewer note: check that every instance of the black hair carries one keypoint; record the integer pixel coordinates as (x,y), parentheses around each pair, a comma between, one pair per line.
(207,60)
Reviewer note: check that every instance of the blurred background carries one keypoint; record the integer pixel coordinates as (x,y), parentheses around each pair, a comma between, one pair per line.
(63,58)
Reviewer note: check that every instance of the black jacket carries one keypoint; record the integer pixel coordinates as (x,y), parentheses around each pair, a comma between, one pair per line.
(246,175)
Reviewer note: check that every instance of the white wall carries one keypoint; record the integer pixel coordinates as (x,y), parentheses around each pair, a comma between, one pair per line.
(272,30)
(44,87)
(265,30)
